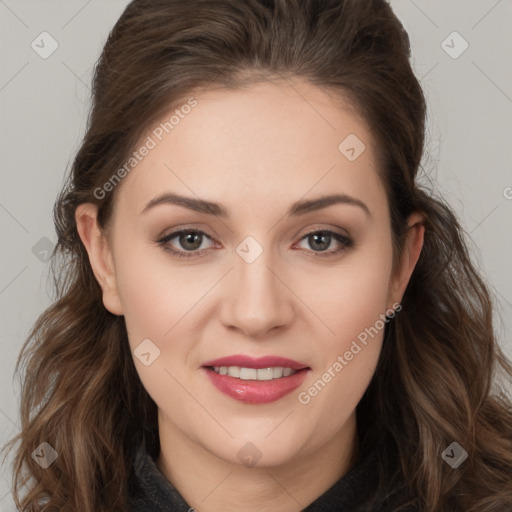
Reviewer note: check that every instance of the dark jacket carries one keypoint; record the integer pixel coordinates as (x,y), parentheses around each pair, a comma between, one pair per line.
(150,491)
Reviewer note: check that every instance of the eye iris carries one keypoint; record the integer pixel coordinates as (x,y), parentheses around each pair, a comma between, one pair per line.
(188,239)
(323,245)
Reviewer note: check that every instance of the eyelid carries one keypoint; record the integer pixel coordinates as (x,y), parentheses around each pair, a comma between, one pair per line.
(318,228)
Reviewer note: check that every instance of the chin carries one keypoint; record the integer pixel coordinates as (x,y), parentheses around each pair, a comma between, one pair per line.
(258,451)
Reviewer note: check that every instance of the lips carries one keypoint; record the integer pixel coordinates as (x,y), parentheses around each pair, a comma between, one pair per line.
(261,362)
(255,391)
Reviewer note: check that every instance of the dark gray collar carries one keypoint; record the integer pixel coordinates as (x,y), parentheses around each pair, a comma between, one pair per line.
(150,491)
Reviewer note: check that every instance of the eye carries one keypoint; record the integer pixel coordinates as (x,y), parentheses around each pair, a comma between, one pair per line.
(189,239)
(320,240)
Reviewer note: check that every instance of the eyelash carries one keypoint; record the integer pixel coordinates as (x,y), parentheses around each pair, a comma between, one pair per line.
(346,243)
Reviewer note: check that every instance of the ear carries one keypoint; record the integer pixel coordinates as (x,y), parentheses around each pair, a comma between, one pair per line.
(409,257)
(100,255)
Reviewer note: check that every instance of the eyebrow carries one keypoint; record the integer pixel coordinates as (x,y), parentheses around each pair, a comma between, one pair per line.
(298,208)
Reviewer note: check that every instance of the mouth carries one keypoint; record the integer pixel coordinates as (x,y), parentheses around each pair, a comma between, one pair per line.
(256,381)
(237,372)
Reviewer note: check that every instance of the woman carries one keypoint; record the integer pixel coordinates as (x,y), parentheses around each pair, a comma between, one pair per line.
(260,309)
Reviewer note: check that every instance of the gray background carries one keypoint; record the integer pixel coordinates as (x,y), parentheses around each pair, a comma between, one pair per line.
(44,105)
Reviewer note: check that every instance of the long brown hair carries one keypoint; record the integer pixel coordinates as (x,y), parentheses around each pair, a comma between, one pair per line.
(436,378)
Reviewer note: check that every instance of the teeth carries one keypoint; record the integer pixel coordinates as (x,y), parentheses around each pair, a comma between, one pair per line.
(253,373)
(278,372)
(265,373)
(247,373)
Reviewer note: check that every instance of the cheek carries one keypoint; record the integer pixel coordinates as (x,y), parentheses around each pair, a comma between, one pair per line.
(347,359)
(351,297)
(352,302)
(158,305)
(155,295)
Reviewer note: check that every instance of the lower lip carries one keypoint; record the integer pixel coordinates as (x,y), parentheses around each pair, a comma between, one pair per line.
(256,391)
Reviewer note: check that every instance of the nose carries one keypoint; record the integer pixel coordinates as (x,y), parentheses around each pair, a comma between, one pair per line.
(256,299)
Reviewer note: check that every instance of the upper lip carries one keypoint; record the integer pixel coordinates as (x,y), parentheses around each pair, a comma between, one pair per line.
(260,362)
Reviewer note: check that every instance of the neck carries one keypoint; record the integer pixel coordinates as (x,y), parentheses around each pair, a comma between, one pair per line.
(211,484)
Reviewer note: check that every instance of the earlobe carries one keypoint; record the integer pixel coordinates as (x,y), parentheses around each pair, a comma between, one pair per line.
(409,257)
(100,256)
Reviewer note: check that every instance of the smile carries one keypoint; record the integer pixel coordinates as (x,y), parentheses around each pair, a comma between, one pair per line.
(242,373)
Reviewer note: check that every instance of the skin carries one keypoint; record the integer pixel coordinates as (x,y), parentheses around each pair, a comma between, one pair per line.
(256,151)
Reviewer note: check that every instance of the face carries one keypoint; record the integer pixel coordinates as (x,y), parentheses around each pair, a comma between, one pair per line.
(266,273)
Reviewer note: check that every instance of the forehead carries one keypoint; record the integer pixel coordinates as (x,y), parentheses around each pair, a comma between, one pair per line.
(265,141)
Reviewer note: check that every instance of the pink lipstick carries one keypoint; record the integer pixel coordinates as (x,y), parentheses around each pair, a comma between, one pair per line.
(255,381)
